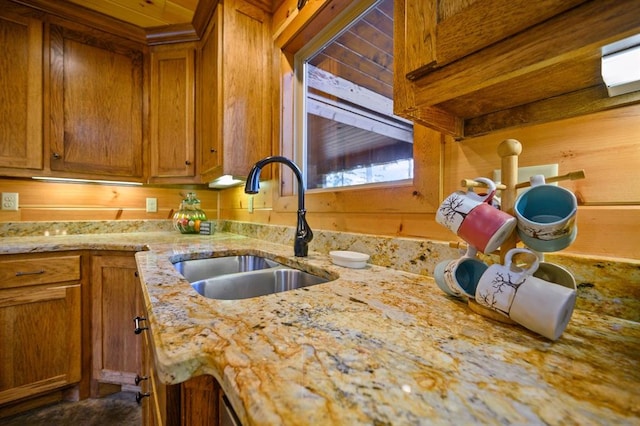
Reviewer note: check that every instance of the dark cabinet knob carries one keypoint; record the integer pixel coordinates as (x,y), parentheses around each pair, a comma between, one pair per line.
(140,378)
(213,150)
(56,156)
(188,163)
(140,396)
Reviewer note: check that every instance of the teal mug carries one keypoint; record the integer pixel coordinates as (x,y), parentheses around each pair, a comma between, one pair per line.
(459,277)
(546,216)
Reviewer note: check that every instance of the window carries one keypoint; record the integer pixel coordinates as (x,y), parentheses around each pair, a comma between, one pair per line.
(349,135)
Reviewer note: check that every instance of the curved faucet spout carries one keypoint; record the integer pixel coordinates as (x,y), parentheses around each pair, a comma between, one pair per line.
(303,232)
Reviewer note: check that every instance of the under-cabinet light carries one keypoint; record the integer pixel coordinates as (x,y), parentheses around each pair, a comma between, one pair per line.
(73,180)
(621,71)
(225,181)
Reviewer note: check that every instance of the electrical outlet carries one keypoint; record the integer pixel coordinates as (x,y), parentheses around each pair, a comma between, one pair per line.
(152,205)
(10,201)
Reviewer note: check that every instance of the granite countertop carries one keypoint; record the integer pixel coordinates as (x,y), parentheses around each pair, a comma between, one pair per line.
(374,346)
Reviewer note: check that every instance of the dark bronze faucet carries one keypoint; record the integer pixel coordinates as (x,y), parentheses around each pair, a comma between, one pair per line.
(303,231)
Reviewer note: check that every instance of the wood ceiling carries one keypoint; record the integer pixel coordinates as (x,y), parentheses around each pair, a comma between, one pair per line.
(364,53)
(144,13)
(147,21)
(149,14)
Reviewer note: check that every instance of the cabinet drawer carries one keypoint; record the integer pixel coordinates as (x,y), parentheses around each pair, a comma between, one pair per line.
(24,272)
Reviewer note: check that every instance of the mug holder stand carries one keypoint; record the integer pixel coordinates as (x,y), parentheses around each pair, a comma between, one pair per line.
(508,150)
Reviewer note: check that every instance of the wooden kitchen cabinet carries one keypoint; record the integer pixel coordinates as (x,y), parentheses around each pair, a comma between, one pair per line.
(226,128)
(441,31)
(234,104)
(21,142)
(194,402)
(467,68)
(173,155)
(40,324)
(115,298)
(210,147)
(157,399)
(96,105)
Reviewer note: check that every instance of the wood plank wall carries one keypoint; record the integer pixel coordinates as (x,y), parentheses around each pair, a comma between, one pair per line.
(606,145)
(48,201)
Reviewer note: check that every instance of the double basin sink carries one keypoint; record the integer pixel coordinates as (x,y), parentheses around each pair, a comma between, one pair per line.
(243,277)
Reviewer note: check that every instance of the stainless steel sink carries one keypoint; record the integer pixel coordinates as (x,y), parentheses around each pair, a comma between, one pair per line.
(200,269)
(243,276)
(257,283)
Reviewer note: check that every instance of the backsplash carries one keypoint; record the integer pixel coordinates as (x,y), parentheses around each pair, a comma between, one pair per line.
(605,285)
(76,227)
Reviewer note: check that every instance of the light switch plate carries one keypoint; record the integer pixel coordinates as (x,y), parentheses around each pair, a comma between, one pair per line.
(524,173)
(10,201)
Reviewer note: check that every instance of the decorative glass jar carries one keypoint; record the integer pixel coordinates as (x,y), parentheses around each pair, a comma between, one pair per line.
(188,218)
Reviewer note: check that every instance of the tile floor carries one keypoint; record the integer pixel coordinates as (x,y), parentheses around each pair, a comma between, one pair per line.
(119,409)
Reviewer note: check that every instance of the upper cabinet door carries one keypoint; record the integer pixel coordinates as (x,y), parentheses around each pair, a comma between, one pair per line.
(172,139)
(235,89)
(209,101)
(21,89)
(468,68)
(441,31)
(246,77)
(96,105)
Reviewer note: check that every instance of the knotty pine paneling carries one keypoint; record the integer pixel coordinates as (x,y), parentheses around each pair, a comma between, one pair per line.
(606,145)
(48,201)
(610,231)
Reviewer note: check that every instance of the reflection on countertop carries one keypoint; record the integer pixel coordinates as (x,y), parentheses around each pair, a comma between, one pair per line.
(377,345)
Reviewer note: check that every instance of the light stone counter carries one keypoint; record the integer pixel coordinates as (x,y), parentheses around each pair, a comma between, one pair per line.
(374,346)
(378,346)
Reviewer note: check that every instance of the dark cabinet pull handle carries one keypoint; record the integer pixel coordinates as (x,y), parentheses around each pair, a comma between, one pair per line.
(22,274)
(136,323)
(140,378)
(140,396)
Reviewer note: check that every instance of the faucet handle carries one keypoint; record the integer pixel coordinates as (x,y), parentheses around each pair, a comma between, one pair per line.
(303,235)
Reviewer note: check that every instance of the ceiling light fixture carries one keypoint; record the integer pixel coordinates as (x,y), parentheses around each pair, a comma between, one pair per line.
(621,71)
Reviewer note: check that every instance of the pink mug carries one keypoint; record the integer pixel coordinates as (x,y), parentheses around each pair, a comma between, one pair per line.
(472,217)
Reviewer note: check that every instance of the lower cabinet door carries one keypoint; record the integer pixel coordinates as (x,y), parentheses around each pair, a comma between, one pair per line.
(115,297)
(194,402)
(161,404)
(40,339)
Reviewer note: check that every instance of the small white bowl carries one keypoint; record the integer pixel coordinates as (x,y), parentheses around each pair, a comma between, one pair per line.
(349,259)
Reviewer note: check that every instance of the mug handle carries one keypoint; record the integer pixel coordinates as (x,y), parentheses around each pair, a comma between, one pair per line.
(529,271)
(471,252)
(536,180)
(492,188)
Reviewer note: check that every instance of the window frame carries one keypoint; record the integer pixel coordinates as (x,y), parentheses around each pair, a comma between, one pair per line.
(301,67)
(420,194)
